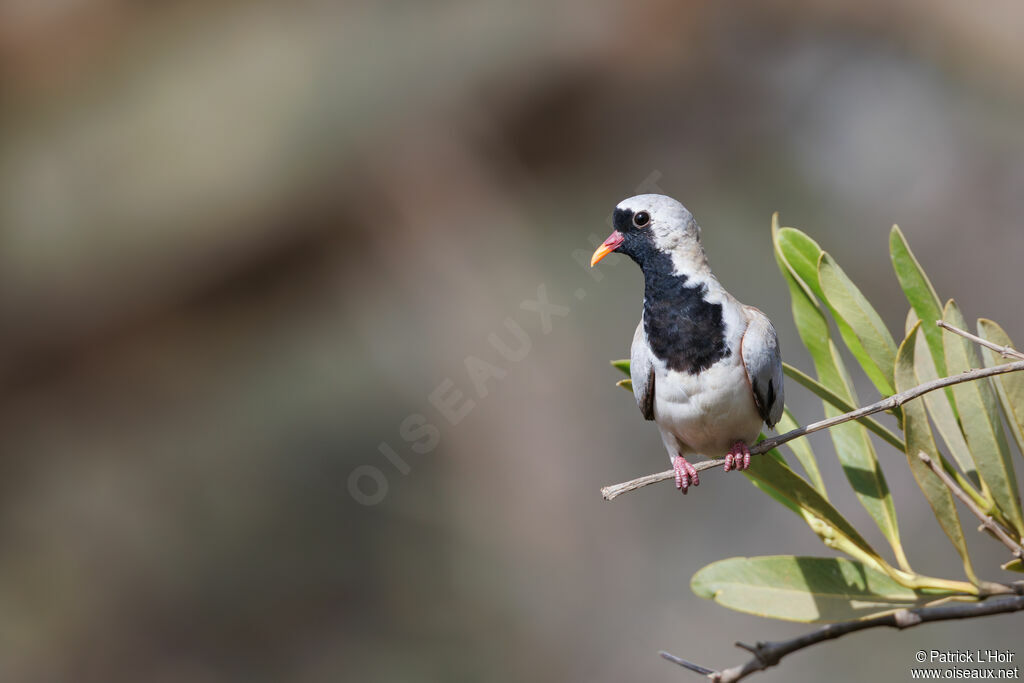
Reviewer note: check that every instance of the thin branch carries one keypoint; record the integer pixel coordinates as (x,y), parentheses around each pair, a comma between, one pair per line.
(823,392)
(696,668)
(769,654)
(894,401)
(1004,351)
(986,520)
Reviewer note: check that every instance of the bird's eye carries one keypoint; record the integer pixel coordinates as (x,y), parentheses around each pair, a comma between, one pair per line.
(642,218)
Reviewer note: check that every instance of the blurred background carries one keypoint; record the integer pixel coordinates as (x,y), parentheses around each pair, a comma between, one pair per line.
(276,399)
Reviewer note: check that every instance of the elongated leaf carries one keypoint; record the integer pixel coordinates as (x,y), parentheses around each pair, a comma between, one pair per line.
(801,254)
(926,306)
(977,405)
(808,316)
(807,589)
(772,475)
(774,493)
(860,464)
(920,294)
(941,410)
(911,321)
(853,446)
(830,396)
(919,439)
(1010,387)
(623,365)
(867,337)
(801,448)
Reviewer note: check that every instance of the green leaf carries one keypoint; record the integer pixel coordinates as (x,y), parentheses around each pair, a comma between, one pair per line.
(942,412)
(976,404)
(809,318)
(771,491)
(1014,565)
(826,394)
(801,448)
(807,589)
(1010,386)
(795,252)
(803,256)
(864,332)
(774,477)
(920,294)
(800,253)
(919,439)
(911,321)
(860,464)
(626,384)
(926,306)
(622,365)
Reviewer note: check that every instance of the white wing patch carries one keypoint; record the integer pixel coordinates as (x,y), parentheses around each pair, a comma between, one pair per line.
(641,372)
(763,363)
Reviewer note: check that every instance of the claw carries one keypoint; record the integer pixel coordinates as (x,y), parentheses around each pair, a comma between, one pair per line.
(738,457)
(686,474)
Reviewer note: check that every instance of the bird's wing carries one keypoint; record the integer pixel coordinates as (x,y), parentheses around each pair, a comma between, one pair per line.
(760,351)
(641,371)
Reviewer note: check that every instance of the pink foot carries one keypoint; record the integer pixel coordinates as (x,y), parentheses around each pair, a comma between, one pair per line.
(737,458)
(686,473)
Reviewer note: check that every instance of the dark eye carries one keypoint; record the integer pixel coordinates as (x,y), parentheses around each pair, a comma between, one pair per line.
(641,218)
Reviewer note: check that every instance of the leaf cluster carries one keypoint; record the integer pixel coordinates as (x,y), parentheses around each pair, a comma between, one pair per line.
(971,446)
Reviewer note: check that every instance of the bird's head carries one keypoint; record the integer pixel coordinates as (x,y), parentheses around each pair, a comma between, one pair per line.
(650,223)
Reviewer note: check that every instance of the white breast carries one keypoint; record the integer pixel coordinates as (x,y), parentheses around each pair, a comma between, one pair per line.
(708,412)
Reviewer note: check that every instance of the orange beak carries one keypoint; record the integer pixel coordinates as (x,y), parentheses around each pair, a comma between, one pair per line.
(607,247)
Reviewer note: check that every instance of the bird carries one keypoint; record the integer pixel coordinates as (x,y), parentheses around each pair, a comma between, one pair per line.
(705,368)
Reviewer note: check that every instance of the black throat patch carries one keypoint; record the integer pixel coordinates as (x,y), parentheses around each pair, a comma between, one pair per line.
(683,329)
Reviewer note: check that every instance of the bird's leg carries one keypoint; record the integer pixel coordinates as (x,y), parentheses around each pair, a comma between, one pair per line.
(686,473)
(737,458)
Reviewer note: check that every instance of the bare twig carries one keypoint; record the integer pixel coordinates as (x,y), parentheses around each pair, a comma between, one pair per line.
(986,520)
(769,654)
(1004,351)
(894,401)
(696,668)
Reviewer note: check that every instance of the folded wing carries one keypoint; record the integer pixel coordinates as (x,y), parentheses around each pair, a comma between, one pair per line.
(642,372)
(763,363)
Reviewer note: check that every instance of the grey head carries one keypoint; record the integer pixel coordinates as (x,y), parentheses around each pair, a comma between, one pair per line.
(649,225)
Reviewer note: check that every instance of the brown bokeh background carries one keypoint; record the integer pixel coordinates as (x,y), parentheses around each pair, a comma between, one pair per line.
(242,242)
